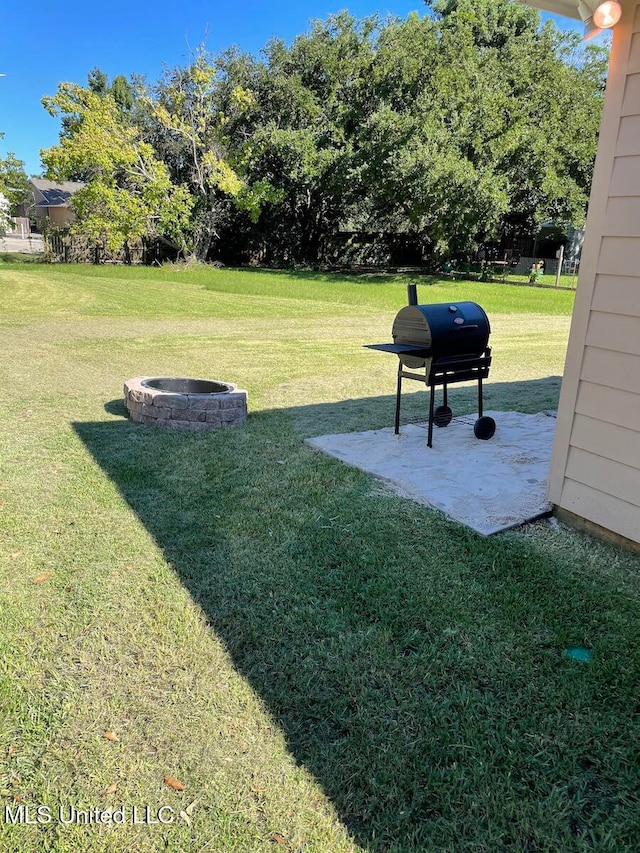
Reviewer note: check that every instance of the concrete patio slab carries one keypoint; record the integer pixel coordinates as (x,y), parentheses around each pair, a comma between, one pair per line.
(487,485)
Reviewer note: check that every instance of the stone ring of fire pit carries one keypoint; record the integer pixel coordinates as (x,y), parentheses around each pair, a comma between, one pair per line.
(192,404)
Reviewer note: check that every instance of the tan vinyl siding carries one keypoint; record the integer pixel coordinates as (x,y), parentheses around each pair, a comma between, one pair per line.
(631,101)
(616,442)
(612,513)
(609,404)
(625,179)
(595,470)
(617,294)
(617,479)
(623,216)
(633,66)
(615,332)
(619,256)
(613,369)
(627,143)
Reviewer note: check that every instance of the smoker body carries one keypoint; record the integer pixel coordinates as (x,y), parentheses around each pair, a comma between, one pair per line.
(446,330)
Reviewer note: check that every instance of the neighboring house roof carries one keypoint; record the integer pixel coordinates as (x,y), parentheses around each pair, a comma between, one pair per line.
(51,194)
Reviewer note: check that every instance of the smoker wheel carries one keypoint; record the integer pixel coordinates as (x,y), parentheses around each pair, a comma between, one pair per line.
(484,428)
(442,416)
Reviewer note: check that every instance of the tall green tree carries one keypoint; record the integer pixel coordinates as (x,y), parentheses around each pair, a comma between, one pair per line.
(128,193)
(120,90)
(14,183)
(452,128)
(4,214)
(294,126)
(532,106)
(413,155)
(186,122)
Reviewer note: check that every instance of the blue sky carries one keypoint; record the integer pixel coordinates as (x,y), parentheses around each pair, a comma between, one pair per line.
(42,44)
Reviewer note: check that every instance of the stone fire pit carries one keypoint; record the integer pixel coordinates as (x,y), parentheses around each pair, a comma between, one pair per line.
(192,404)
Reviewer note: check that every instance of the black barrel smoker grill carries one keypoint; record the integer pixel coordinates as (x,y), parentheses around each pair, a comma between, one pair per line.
(450,342)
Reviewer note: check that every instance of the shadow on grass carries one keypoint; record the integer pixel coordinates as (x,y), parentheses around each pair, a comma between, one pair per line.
(533,395)
(116,407)
(415,668)
(21,257)
(340,276)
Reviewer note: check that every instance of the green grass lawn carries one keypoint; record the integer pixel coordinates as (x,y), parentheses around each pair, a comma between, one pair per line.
(548,280)
(322,665)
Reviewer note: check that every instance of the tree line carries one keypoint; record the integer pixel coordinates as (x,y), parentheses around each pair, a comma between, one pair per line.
(449,130)
(14,189)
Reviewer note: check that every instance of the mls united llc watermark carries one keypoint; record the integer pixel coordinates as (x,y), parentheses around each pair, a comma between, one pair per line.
(69,814)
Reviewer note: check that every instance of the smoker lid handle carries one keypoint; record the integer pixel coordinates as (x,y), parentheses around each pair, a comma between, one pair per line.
(463,328)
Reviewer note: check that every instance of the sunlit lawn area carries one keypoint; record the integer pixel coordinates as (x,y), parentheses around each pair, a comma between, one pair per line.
(323,666)
(569,281)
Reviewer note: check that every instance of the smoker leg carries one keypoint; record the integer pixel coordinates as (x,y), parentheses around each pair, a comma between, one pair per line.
(443,414)
(430,433)
(485,427)
(398,392)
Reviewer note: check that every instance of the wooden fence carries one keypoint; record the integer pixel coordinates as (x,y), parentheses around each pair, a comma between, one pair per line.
(73,249)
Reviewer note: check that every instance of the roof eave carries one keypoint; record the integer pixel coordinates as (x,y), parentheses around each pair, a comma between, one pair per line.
(567,8)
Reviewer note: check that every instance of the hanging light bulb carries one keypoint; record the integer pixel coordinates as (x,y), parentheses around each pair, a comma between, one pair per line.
(607,14)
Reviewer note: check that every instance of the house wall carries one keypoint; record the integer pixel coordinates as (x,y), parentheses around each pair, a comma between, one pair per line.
(20,226)
(60,216)
(595,466)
